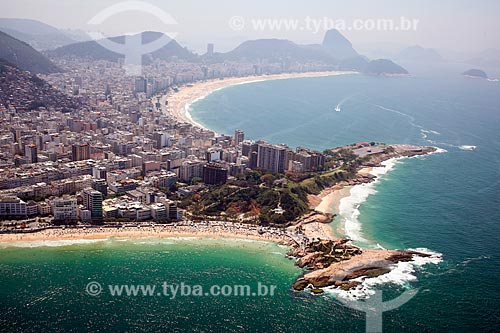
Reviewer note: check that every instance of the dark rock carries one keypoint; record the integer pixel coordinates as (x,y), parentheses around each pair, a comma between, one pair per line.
(300,284)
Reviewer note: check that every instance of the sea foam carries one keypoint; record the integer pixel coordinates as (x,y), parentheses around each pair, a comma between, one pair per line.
(401,275)
(467,147)
(51,243)
(349,206)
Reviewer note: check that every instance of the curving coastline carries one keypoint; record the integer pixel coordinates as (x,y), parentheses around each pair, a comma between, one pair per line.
(331,261)
(334,261)
(180,100)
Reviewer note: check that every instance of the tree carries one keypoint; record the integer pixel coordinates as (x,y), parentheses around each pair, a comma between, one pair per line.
(196,180)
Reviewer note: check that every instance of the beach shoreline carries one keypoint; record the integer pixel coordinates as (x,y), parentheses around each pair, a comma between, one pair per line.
(179,101)
(234,231)
(328,201)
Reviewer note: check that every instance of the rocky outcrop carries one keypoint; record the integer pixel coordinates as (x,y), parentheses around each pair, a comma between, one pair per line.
(338,263)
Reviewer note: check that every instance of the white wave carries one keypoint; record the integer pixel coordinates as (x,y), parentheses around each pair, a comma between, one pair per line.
(51,243)
(467,147)
(349,206)
(401,274)
(439,151)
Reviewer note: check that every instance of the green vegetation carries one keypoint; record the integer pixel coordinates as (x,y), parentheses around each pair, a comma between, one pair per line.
(271,199)
(251,201)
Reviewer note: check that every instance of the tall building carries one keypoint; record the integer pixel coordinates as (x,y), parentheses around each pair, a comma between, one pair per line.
(210,49)
(311,160)
(249,149)
(92,200)
(213,154)
(99,172)
(12,206)
(191,169)
(141,85)
(101,186)
(272,158)
(239,136)
(80,152)
(65,208)
(161,140)
(31,153)
(214,174)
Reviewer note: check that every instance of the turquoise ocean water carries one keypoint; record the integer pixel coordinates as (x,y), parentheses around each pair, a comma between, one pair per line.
(447,202)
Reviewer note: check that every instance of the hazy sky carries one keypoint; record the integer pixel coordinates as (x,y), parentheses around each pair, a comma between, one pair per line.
(461,25)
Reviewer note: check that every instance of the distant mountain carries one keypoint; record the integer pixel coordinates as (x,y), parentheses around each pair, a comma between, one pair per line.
(277,49)
(335,50)
(39,35)
(477,73)
(93,50)
(338,46)
(384,67)
(24,91)
(76,35)
(380,49)
(24,56)
(419,54)
(354,64)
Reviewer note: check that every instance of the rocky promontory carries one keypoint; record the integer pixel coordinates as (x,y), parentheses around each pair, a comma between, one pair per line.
(332,261)
(338,263)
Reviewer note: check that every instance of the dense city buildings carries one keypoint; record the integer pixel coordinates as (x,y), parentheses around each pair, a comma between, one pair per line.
(115,152)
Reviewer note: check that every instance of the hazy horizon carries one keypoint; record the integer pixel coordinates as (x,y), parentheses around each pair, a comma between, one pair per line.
(470,29)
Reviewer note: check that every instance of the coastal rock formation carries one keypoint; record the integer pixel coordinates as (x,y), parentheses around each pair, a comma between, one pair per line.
(337,263)
(314,216)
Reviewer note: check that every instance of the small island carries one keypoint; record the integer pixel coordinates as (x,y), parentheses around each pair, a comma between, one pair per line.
(475,73)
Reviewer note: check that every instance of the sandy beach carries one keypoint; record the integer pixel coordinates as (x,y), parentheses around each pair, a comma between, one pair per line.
(328,201)
(228,230)
(178,101)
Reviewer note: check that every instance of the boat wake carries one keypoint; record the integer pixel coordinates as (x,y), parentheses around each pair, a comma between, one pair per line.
(339,105)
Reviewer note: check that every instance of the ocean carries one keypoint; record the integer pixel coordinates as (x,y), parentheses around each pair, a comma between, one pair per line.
(447,203)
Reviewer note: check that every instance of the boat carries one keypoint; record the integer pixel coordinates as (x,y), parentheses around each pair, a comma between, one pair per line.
(337,108)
